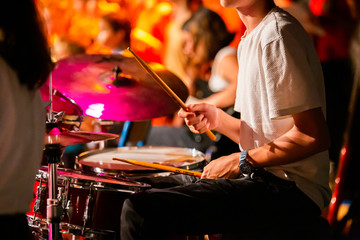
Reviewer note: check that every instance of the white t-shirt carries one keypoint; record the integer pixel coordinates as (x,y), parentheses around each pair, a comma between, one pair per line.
(279,75)
(22,121)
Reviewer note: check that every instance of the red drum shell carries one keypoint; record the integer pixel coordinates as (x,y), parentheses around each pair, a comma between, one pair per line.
(100,197)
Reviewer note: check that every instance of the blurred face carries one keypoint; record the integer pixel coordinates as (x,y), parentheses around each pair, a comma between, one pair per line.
(105,34)
(195,51)
(107,37)
(188,44)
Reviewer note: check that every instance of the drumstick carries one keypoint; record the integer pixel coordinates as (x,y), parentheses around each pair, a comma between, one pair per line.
(159,166)
(165,87)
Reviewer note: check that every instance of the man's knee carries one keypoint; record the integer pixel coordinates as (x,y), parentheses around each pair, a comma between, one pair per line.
(130,221)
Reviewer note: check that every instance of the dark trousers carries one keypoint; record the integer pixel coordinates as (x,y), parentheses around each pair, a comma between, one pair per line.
(14,227)
(239,207)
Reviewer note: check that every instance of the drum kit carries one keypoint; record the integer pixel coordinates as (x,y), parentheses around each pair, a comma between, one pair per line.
(85,201)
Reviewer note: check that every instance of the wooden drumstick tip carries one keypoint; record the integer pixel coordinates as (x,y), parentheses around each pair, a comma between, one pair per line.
(211,135)
(159,166)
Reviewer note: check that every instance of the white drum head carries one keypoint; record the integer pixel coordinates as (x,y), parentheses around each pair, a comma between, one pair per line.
(171,156)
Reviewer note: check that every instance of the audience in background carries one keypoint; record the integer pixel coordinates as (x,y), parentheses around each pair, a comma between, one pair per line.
(173,57)
(64,47)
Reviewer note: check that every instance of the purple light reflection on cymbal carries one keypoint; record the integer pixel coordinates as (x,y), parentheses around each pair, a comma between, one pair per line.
(89,80)
(60,101)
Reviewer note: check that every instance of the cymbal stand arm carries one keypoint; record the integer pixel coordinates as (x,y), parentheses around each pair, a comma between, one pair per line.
(51,99)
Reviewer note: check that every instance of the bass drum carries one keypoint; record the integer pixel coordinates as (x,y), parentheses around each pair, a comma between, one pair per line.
(101,161)
(90,206)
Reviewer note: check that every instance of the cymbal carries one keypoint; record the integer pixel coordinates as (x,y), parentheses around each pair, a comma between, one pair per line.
(115,87)
(60,103)
(65,137)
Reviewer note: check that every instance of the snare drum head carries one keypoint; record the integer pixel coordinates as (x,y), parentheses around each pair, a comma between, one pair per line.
(186,158)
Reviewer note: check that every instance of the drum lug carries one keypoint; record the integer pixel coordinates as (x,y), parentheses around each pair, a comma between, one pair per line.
(68,210)
(63,197)
(40,194)
(65,200)
(89,202)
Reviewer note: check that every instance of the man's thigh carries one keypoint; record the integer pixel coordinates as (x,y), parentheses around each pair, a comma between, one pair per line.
(211,206)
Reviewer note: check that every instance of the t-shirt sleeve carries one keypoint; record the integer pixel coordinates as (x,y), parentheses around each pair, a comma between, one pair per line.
(290,82)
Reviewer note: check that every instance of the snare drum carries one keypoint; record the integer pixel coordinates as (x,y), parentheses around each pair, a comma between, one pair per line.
(101,162)
(91,205)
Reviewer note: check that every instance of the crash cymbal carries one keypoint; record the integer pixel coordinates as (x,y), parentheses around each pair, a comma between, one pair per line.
(115,87)
(65,137)
(60,102)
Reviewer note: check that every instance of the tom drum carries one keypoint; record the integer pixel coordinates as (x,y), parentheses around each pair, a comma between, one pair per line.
(90,205)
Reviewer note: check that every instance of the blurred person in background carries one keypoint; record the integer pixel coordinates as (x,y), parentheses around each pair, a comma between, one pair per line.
(115,33)
(173,57)
(64,47)
(209,58)
(25,65)
(114,37)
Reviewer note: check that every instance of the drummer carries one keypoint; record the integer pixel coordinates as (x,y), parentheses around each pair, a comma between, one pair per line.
(281,173)
(25,64)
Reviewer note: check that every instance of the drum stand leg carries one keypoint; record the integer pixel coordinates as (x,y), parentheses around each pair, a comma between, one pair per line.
(53,210)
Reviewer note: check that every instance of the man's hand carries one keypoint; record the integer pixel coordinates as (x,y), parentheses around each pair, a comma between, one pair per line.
(223,167)
(200,117)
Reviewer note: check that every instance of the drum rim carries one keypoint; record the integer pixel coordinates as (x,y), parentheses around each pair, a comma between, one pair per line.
(69,228)
(99,170)
(124,185)
(87,232)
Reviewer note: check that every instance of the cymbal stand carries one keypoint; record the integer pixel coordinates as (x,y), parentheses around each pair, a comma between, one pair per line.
(53,153)
(53,210)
